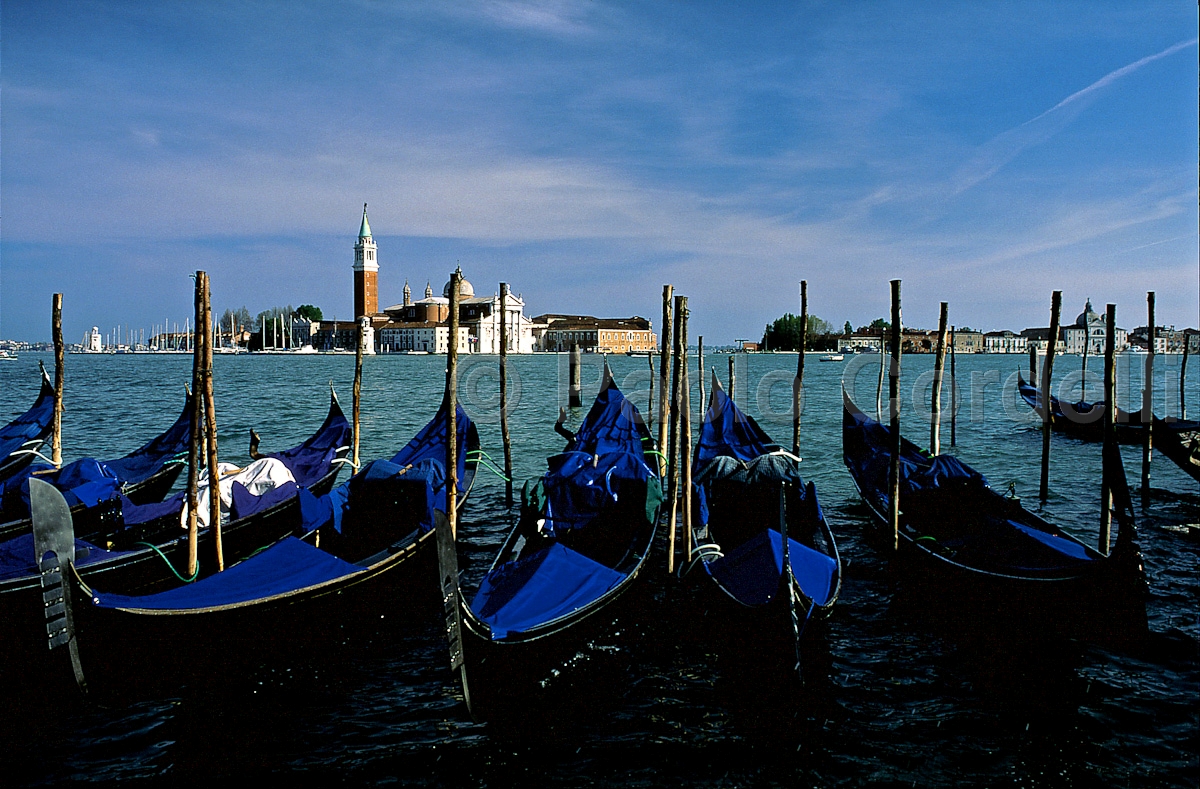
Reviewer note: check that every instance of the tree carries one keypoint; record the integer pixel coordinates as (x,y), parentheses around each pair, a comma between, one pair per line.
(847,329)
(309,312)
(240,317)
(784,334)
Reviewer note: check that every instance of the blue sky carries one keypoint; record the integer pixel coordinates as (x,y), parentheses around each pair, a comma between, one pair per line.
(589,152)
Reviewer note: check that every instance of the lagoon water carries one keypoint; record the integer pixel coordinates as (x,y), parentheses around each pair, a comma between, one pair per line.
(892,697)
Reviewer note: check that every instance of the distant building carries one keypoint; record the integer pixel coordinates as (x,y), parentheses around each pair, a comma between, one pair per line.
(596,335)
(1088,329)
(92,341)
(1004,342)
(411,323)
(968,341)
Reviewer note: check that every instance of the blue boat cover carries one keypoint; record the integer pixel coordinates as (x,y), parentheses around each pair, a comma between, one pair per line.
(540,588)
(727,432)
(310,461)
(16,556)
(287,566)
(918,471)
(430,443)
(751,571)
(332,508)
(612,425)
(604,462)
(33,424)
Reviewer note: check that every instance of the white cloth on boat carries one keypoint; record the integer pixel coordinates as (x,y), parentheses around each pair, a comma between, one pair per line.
(258,478)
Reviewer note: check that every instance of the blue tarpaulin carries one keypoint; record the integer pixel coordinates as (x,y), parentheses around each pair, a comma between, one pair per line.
(286,566)
(540,588)
(727,432)
(751,571)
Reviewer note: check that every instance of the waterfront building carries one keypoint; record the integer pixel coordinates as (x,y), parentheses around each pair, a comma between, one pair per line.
(967,341)
(92,341)
(596,335)
(1004,342)
(1088,329)
(409,323)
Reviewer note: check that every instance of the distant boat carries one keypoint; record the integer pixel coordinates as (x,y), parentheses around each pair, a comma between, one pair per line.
(7,354)
(832,357)
(638,354)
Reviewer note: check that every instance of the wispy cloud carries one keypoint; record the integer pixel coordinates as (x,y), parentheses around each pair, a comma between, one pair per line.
(1005,147)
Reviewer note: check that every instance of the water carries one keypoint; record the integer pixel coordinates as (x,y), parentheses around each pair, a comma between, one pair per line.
(892,698)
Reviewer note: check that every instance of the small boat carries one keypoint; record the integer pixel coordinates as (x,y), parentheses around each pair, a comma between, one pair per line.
(1085,421)
(145,475)
(7,355)
(314,592)
(638,354)
(758,529)
(585,529)
(136,549)
(971,546)
(21,438)
(832,357)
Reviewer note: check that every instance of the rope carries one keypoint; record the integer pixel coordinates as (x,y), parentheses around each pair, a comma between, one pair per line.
(492,468)
(171,567)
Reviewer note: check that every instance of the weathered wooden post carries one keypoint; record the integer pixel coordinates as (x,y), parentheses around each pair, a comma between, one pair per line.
(1187,347)
(356,408)
(56,328)
(575,390)
(1148,401)
(879,387)
(685,449)
(504,434)
(1110,423)
(650,396)
(1047,372)
(935,397)
(680,357)
(798,381)
(195,438)
(204,335)
(1033,379)
(664,392)
(953,391)
(452,407)
(894,412)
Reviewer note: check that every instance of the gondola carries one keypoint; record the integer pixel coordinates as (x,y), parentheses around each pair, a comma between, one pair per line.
(141,549)
(749,497)
(1085,421)
(972,548)
(309,593)
(585,529)
(21,438)
(1180,444)
(143,476)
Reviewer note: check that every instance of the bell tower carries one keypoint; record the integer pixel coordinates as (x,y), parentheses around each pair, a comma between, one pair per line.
(366,272)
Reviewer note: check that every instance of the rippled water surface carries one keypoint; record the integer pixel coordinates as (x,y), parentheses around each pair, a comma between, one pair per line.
(891,696)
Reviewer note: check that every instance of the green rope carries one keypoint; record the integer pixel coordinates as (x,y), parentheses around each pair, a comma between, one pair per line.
(654,452)
(480,452)
(171,567)
(492,467)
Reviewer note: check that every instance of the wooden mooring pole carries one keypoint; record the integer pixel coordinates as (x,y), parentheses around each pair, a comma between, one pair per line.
(685,448)
(894,413)
(452,407)
(664,380)
(953,393)
(1187,347)
(1110,423)
(504,434)
(194,441)
(1148,401)
(204,336)
(676,415)
(935,397)
(59,376)
(575,389)
(1047,411)
(798,381)
(1033,379)
(732,376)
